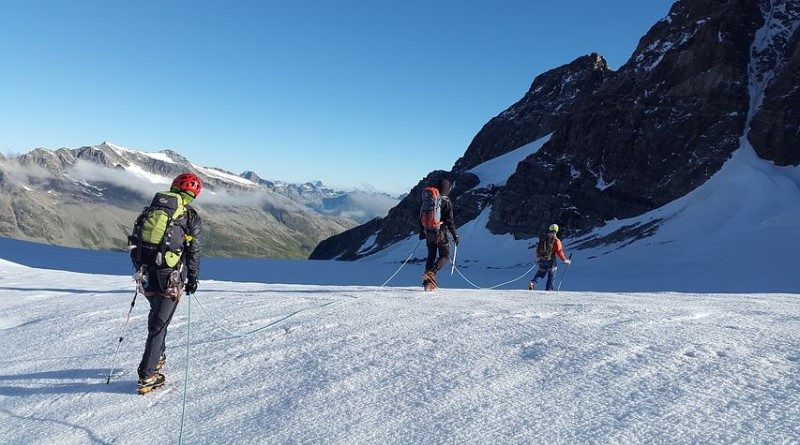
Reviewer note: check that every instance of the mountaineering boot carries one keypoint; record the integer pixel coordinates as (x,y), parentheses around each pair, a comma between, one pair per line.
(429,280)
(161,362)
(149,383)
(531,285)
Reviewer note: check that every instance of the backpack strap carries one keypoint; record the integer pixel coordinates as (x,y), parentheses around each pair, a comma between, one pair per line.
(135,240)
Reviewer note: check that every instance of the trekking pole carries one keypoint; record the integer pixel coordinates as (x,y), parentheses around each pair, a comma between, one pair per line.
(122,335)
(186,365)
(564,274)
(455,255)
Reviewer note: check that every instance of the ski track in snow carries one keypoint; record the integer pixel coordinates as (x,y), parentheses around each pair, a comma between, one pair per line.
(400,366)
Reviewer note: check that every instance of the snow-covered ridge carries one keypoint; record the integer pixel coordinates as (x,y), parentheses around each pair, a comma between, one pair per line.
(159,155)
(146,175)
(221,174)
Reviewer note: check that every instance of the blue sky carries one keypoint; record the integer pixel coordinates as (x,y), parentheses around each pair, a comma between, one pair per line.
(349,92)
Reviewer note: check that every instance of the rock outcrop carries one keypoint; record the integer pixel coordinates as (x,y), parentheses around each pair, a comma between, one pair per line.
(549,100)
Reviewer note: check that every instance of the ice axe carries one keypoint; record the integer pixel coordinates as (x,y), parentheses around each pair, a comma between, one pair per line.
(455,255)
(564,274)
(138,279)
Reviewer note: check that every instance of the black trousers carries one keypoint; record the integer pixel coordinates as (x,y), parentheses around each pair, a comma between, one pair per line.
(161,312)
(438,250)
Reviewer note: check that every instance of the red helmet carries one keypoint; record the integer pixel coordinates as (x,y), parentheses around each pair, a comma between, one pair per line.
(188,182)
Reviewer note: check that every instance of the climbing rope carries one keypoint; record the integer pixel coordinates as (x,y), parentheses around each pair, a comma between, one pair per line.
(495,286)
(458,271)
(253,331)
(401,266)
(186,366)
(230,332)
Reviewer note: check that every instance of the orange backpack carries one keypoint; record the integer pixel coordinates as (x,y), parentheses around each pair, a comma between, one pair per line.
(431,213)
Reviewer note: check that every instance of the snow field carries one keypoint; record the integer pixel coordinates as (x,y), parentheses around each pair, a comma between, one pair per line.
(363,365)
(496,171)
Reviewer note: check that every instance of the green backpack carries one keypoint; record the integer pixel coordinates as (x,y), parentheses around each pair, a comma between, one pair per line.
(150,242)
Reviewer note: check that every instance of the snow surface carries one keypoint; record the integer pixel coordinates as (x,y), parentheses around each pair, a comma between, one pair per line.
(213,172)
(602,184)
(364,365)
(369,244)
(496,171)
(163,157)
(144,174)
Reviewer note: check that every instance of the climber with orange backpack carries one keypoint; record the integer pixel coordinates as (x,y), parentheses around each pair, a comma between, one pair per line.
(436,220)
(547,250)
(165,251)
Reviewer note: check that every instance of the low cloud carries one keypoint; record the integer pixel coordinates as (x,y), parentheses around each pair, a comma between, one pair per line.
(260,200)
(118,177)
(148,185)
(26,174)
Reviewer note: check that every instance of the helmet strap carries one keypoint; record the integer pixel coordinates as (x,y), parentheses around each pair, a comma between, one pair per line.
(187,197)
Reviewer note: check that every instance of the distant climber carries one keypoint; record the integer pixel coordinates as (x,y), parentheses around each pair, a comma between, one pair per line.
(436,220)
(548,248)
(165,250)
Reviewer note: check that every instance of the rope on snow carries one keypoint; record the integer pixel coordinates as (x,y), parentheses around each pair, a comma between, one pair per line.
(497,285)
(253,331)
(401,266)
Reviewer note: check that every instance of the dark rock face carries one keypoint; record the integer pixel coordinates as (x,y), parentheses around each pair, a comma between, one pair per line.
(346,244)
(549,100)
(658,129)
(775,130)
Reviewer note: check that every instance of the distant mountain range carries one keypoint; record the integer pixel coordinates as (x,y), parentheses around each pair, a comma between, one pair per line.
(89,197)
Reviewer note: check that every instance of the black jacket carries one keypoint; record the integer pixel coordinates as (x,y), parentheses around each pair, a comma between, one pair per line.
(192,247)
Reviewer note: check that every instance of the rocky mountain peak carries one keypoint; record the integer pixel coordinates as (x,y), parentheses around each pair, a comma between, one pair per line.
(552,96)
(175,156)
(253,177)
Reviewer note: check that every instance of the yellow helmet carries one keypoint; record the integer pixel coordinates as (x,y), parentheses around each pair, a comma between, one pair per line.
(553,227)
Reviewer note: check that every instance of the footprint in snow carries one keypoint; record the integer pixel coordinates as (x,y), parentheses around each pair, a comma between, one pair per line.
(533,351)
(691,354)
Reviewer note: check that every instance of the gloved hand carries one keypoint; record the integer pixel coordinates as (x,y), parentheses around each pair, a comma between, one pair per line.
(455,239)
(191,286)
(422,235)
(568,262)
